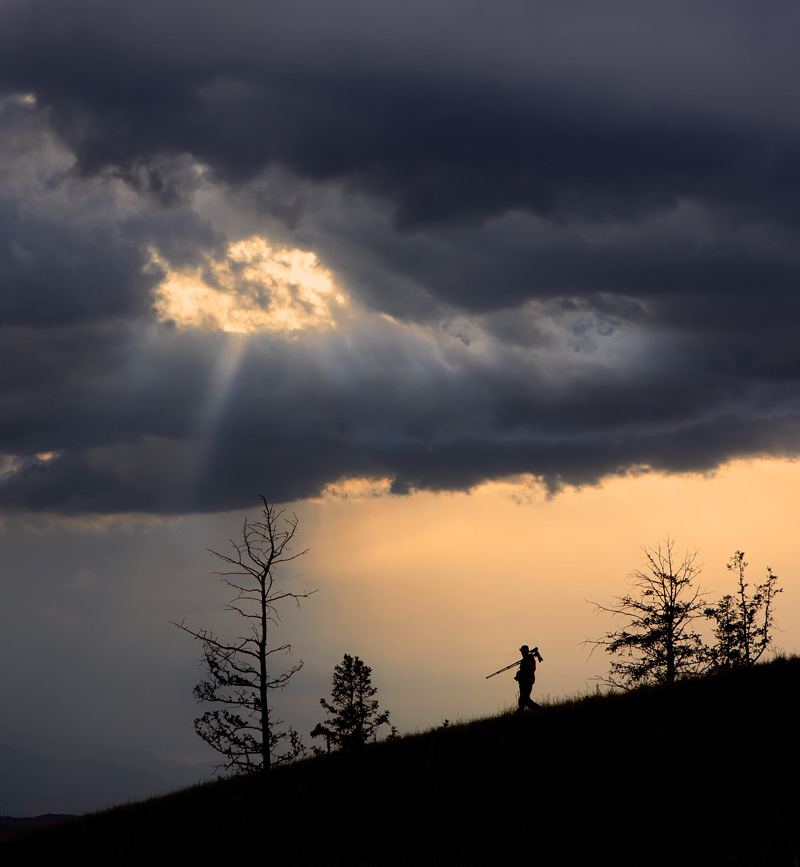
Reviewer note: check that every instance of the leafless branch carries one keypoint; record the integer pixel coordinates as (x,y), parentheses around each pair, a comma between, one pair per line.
(657,642)
(238,671)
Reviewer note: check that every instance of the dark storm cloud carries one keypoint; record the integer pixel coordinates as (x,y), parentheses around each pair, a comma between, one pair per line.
(583,220)
(41,260)
(293,421)
(456,115)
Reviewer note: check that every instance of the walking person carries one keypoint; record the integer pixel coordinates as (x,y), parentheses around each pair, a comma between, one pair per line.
(526,677)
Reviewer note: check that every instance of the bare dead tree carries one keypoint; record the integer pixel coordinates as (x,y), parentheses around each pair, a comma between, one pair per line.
(239,672)
(657,644)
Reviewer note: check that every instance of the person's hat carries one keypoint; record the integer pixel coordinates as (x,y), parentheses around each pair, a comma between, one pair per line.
(524,648)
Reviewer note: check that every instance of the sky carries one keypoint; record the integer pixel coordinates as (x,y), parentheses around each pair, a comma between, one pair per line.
(488,296)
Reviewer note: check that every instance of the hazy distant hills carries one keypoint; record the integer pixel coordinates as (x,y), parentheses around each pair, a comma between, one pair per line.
(58,775)
(705,772)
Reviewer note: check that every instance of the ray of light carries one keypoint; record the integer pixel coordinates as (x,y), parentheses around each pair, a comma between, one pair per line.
(253,288)
(228,362)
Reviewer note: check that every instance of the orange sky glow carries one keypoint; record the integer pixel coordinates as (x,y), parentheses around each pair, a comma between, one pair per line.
(437,590)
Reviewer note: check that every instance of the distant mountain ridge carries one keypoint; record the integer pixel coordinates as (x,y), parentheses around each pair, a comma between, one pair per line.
(13,825)
(58,775)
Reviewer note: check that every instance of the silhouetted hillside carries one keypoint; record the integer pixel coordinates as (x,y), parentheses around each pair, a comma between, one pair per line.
(704,772)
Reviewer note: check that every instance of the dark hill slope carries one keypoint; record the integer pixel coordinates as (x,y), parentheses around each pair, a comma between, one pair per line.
(704,772)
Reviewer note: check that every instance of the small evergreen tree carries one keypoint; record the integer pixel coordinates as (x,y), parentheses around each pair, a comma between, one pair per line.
(657,644)
(743,620)
(354,710)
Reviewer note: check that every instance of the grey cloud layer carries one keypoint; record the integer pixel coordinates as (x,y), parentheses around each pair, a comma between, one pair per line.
(460,116)
(589,216)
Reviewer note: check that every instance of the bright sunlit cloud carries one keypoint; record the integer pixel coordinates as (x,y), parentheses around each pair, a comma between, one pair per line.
(356,489)
(255,287)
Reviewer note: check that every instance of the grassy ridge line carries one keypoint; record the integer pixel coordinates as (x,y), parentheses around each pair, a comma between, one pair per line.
(703,772)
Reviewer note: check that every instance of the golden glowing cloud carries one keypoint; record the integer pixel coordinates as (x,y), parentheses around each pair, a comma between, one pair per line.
(357,489)
(255,287)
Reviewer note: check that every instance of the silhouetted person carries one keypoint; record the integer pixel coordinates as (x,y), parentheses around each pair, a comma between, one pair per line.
(526,677)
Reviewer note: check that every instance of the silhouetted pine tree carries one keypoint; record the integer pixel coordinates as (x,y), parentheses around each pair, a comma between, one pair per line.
(355,716)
